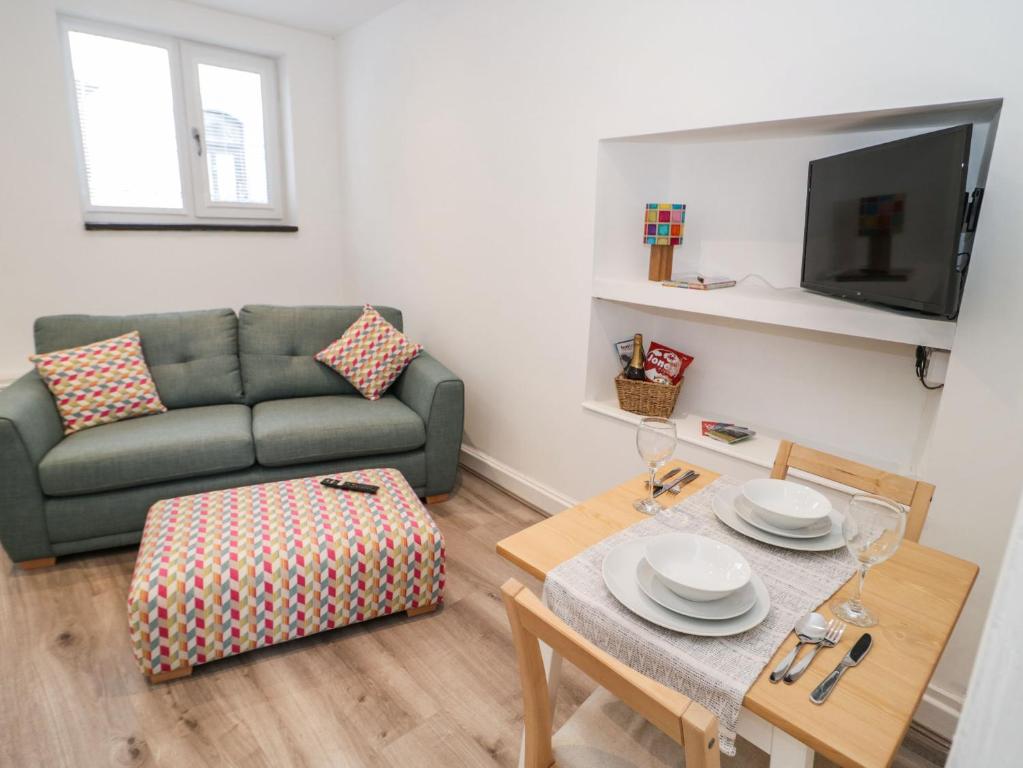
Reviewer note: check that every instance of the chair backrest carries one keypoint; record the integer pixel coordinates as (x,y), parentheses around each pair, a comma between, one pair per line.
(684,721)
(914,494)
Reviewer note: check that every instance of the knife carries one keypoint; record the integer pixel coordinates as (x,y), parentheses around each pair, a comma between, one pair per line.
(659,483)
(687,478)
(854,657)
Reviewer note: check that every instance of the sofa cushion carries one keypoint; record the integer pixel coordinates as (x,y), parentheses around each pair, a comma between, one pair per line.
(307,429)
(100,383)
(115,518)
(277,345)
(193,356)
(371,354)
(188,442)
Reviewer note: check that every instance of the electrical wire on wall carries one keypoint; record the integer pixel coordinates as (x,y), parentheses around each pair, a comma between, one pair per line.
(923,364)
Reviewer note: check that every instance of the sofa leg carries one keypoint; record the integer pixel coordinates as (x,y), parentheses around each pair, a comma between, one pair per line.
(39,562)
(174,674)
(440,498)
(420,609)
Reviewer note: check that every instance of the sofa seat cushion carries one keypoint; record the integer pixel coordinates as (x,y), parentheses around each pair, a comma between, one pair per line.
(306,429)
(188,442)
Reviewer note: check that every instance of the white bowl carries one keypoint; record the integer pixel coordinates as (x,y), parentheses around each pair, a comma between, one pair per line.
(697,568)
(786,505)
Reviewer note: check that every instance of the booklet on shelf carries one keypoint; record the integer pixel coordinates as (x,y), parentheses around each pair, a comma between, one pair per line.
(698,282)
(725,432)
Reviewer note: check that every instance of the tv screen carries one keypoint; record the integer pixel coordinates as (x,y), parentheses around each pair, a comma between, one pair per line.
(883,224)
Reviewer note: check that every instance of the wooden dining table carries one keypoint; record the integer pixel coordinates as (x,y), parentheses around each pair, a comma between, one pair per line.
(918,595)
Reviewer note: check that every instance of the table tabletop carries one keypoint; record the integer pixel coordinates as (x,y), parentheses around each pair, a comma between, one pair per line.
(918,594)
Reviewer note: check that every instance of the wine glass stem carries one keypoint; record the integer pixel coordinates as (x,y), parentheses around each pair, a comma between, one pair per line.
(653,472)
(858,599)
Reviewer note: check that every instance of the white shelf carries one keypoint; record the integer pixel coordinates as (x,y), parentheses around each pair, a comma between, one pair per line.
(759,450)
(790,307)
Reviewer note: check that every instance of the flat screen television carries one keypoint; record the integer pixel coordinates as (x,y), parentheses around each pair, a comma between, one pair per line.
(884,224)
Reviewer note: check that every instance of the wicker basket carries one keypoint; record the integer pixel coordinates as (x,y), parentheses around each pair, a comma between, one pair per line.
(647,398)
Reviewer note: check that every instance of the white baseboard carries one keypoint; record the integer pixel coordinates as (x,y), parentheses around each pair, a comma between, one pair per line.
(939,709)
(534,493)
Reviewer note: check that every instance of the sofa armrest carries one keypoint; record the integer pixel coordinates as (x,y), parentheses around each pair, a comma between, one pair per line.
(29,427)
(438,396)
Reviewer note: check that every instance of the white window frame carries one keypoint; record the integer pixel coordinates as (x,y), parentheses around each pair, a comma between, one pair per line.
(184,56)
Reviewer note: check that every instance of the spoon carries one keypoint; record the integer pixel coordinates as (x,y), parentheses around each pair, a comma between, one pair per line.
(810,629)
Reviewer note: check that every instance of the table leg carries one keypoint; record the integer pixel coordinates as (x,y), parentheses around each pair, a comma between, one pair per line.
(789,752)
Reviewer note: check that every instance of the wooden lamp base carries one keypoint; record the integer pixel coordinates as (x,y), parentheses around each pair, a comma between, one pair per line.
(660,262)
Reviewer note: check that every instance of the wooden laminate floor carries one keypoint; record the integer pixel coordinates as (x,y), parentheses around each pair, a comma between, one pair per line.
(435,690)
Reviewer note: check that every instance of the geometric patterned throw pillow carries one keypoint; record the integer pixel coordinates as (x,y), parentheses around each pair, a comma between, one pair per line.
(100,383)
(371,354)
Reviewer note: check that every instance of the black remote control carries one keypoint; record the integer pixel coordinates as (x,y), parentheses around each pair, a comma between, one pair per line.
(359,487)
(333,482)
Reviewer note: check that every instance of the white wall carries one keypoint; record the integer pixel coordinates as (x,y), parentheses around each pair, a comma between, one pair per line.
(50,264)
(477,121)
(989,732)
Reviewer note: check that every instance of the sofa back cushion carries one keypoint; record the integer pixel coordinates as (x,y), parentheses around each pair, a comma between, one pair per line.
(193,356)
(277,345)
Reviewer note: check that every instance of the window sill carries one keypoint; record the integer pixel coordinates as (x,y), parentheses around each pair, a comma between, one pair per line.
(93,226)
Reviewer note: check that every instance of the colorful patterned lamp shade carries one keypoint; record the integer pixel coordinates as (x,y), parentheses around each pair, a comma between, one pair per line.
(663,227)
(664,224)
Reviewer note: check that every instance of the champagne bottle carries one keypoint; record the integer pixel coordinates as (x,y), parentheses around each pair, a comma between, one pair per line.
(634,370)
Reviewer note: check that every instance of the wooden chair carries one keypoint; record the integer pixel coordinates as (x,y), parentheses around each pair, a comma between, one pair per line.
(630,714)
(914,494)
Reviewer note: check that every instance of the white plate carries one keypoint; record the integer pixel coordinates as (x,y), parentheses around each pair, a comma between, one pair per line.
(748,512)
(619,570)
(724,508)
(729,607)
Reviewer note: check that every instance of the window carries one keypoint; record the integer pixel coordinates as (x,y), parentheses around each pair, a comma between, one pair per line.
(171,131)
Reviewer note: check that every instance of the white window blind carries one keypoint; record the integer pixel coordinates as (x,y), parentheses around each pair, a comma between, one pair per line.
(126,120)
(172,131)
(232,112)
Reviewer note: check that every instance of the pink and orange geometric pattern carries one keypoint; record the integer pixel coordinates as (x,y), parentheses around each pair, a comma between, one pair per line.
(225,572)
(100,383)
(371,354)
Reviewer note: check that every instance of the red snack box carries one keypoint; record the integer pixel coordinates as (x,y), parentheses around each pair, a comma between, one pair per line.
(664,365)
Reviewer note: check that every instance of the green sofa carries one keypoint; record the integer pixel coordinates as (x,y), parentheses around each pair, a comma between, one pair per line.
(247,404)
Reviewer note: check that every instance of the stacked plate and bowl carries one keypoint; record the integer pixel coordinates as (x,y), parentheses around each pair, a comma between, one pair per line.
(687,583)
(781,513)
(699,586)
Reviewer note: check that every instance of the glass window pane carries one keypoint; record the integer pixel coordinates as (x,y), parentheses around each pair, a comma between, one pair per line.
(232,110)
(126,111)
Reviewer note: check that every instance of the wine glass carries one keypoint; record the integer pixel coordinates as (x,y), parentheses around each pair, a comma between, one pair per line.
(873,529)
(655,441)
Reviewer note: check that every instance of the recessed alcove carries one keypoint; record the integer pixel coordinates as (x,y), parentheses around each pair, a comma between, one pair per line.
(788,362)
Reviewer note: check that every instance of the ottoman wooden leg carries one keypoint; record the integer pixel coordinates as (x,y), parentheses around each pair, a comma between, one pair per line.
(174,674)
(40,562)
(440,498)
(421,609)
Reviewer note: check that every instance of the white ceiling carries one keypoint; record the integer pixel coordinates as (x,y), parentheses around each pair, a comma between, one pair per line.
(326,16)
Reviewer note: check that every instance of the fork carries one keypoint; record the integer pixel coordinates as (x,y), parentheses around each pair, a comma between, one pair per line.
(835,631)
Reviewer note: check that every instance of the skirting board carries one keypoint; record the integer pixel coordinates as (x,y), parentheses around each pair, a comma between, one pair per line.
(534,493)
(939,709)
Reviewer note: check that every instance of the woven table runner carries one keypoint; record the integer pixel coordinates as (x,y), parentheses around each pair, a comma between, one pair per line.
(715,671)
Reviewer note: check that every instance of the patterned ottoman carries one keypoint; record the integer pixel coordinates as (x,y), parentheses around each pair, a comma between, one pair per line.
(225,572)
